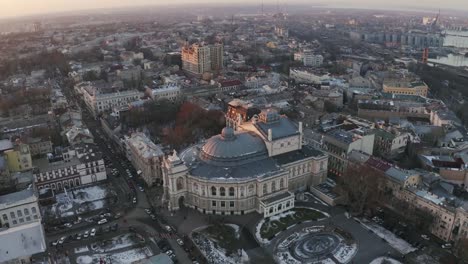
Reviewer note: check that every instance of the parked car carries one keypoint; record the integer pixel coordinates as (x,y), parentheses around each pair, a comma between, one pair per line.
(134,200)
(102,221)
(180,242)
(67,225)
(153,216)
(447,246)
(425,237)
(168,228)
(55,243)
(148,211)
(93,232)
(86,234)
(78,237)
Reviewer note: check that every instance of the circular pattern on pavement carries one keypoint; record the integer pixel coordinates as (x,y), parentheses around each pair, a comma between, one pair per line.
(314,246)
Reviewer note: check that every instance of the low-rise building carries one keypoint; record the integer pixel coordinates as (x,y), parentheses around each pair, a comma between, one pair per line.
(170,92)
(308,75)
(81,165)
(339,143)
(18,244)
(389,143)
(100,97)
(405,86)
(146,157)
(18,158)
(19,208)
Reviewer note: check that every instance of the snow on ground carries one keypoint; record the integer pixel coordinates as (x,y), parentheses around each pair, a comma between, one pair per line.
(85,199)
(345,252)
(118,242)
(286,258)
(236,229)
(277,217)
(382,259)
(125,257)
(397,243)
(215,254)
(81,250)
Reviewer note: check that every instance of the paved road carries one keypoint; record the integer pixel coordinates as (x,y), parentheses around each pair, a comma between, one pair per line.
(133,214)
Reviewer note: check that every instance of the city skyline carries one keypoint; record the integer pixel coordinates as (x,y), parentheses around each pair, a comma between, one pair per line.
(31,7)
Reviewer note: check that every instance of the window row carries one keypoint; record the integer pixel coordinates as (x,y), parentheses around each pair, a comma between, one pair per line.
(19,213)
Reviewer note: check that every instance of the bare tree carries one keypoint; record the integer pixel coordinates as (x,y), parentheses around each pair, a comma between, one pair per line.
(361,186)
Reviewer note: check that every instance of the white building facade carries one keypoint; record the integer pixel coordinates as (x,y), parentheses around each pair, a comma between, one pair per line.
(254,169)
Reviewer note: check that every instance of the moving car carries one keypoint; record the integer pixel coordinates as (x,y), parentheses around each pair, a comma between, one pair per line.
(447,246)
(426,237)
(168,228)
(134,200)
(102,221)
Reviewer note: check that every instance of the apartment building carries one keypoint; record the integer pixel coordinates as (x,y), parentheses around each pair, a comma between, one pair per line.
(73,167)
(101,96)
(170,91)
(201,58)
(406,86)
(339,143)
(146,157)
(19,208)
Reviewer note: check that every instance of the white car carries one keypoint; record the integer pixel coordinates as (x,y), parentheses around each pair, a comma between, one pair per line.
(447,246)
(93,232)
(86,234)
(168,228)
(54,243)
(61,240)
(134,200)
(67,225)
(169,252)
(426,237)
(102,221)
(180,242)
(148,211)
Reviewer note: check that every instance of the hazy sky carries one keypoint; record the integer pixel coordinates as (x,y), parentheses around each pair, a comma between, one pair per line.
(11,8)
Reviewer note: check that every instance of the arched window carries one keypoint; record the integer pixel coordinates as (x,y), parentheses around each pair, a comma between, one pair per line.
(251,189)
(273,186)
(242,191)
(281,183)
(287,204)
(222,191)
(195,187)
(265,188)
(231,191)
(180,183)
(279,207)
(213,190)
(26,211)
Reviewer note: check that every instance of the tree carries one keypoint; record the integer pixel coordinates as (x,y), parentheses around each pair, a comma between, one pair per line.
(361,186)
(330,107)
(461,249)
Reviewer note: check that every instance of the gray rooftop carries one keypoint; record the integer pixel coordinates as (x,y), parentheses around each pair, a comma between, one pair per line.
(21,241)
(304,153)
(255,167)
(16,197)
(5,144)
(280,129)
(397,174)
(276,198)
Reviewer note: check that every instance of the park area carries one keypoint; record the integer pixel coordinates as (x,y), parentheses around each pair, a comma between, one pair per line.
(267,228)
